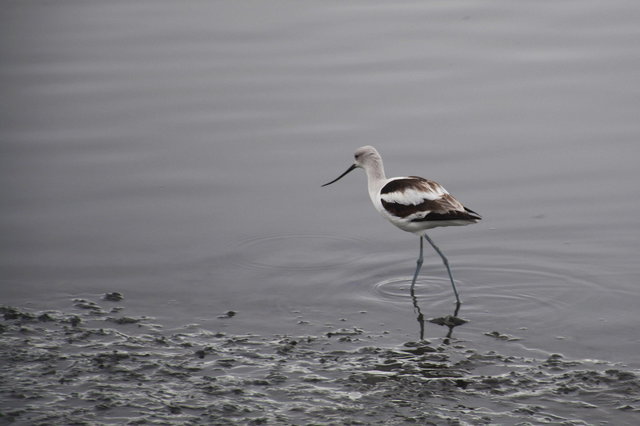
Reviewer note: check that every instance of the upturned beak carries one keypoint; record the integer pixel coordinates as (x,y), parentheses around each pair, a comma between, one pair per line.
(353,166)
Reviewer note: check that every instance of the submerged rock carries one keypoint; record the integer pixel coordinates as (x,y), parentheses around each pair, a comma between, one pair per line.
(448,320)
(501,336)
(345,332)
(113,297)
(12,313)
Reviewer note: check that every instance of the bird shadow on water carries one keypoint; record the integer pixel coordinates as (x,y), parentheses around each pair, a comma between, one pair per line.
(449,321)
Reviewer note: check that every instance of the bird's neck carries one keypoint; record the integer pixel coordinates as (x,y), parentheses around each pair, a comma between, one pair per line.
(375,176)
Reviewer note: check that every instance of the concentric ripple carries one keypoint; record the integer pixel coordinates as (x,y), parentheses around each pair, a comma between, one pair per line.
(542,289)
(398,288)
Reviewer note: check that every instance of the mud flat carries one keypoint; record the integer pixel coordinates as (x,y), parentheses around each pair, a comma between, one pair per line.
(94,365)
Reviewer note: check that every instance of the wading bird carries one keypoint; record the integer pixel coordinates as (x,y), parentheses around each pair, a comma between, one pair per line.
(412,203)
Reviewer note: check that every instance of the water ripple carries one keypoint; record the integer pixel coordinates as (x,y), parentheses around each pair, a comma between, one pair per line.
(541,289)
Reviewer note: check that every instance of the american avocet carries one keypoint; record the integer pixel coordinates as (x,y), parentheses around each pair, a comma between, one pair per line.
(412,203)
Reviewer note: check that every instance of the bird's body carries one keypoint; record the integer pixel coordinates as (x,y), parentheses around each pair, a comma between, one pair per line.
(412,203)
(415,204)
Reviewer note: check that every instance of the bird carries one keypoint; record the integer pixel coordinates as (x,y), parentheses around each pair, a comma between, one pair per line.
(411,203)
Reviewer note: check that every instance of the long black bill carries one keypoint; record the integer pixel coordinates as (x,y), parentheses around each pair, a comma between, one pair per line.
(353,166)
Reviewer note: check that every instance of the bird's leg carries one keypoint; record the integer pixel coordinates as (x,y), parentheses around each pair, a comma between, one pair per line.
(446,264)
(418,266)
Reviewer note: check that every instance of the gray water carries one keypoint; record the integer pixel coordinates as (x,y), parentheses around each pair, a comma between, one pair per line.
(173,152)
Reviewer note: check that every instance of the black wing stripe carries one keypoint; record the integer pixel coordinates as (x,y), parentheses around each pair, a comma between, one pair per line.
(451,215)
(404,210)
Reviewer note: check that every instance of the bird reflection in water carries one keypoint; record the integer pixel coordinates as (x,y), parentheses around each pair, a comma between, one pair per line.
(450,321)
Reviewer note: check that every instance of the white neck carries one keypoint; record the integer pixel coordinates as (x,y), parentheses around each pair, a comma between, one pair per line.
(375,176)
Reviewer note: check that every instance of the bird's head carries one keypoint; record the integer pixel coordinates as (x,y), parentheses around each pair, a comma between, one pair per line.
(363,157)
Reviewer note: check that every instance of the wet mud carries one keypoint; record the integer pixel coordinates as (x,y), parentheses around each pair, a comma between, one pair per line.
(95,365)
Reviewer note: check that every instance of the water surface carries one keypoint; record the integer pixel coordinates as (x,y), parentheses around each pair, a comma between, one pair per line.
(174,153)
